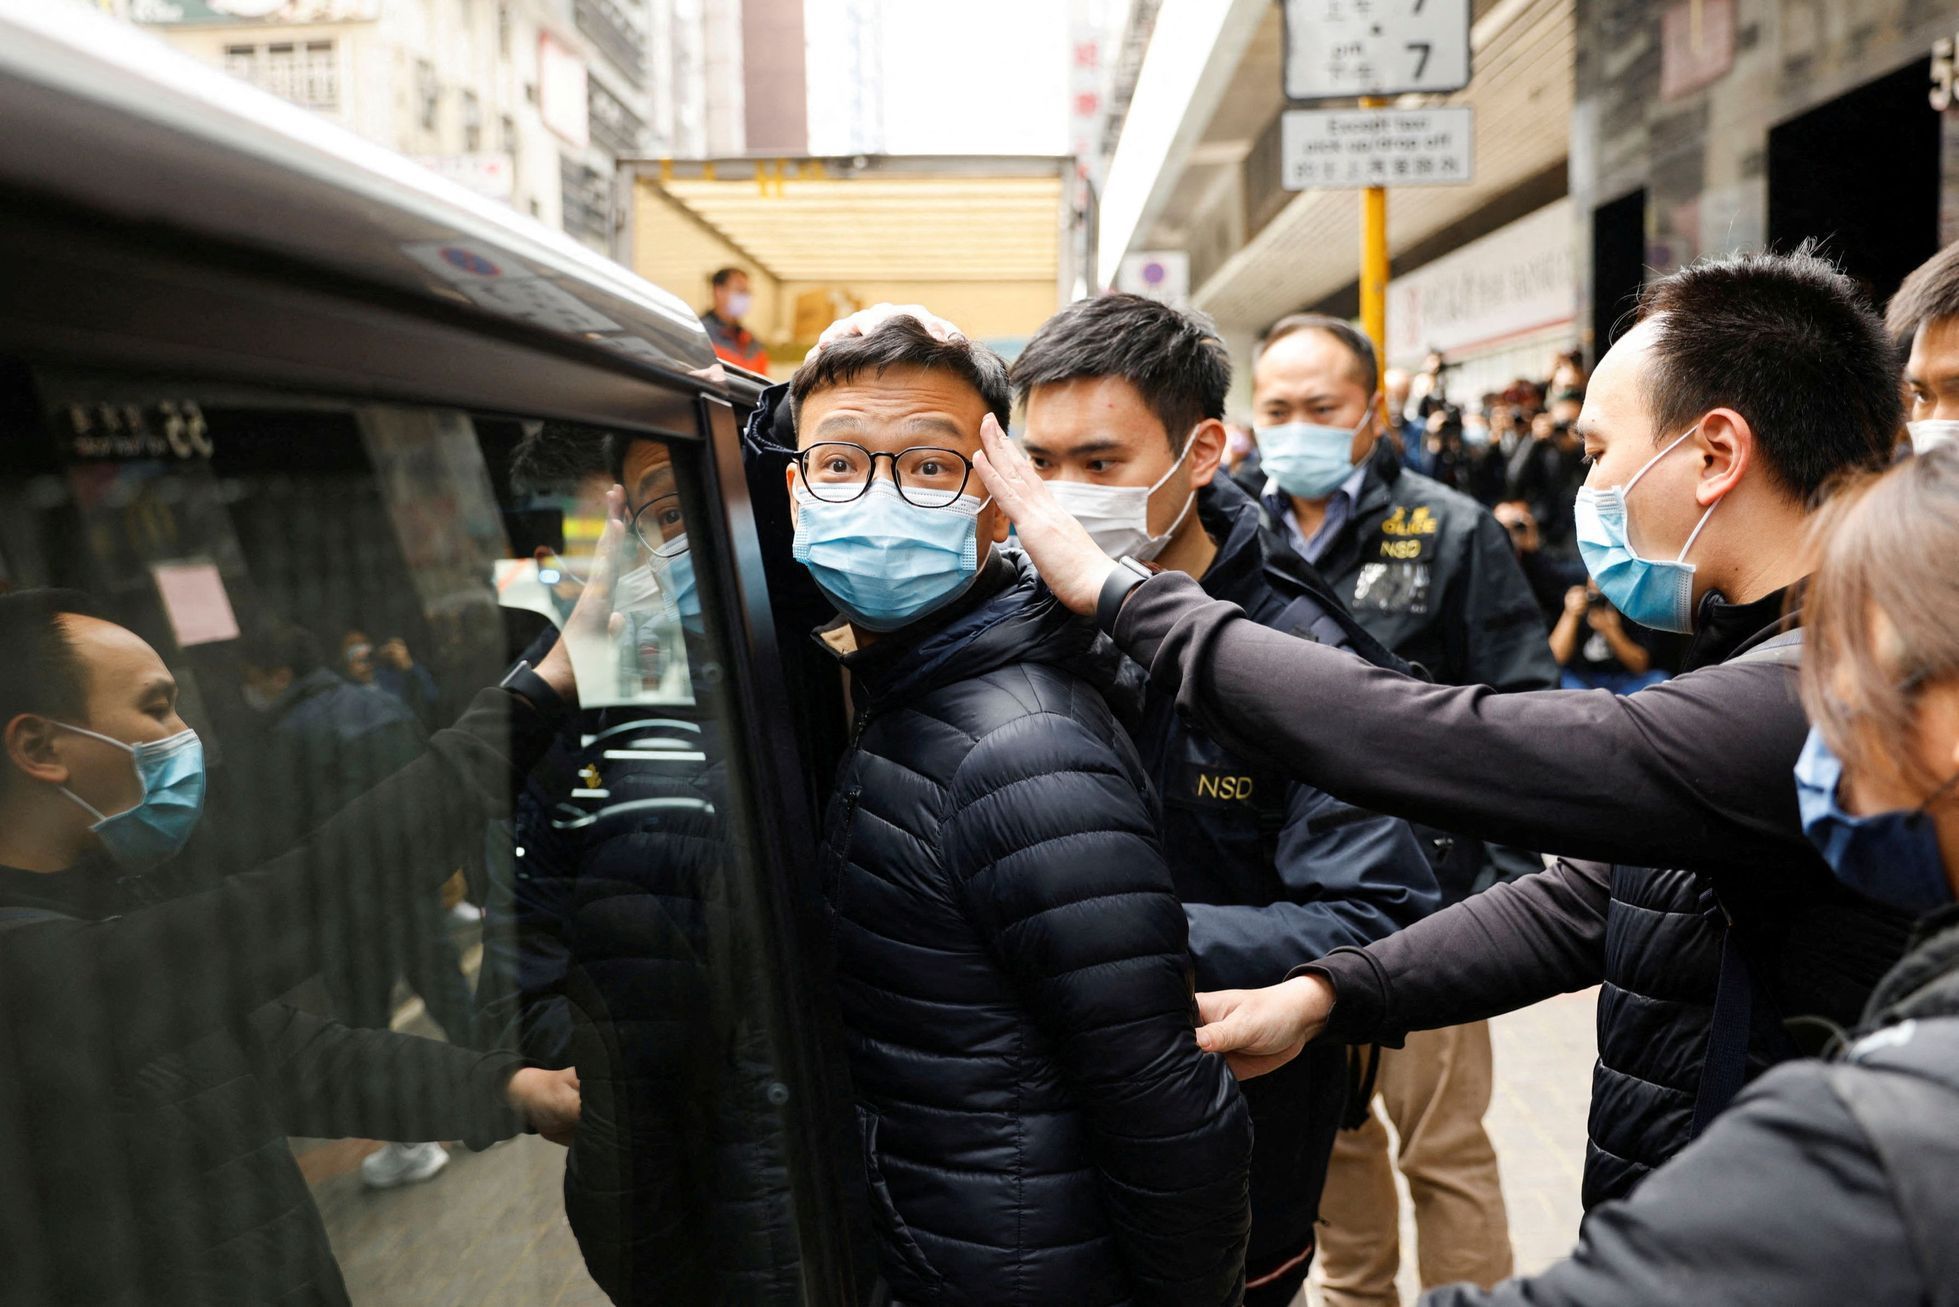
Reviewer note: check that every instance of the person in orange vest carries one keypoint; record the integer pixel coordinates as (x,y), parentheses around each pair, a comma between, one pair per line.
(734,343)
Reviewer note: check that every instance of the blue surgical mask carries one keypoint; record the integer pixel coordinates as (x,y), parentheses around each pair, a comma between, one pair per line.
(172,774)
(1653,592)
(1892,857)
(886,562)
(1307,460)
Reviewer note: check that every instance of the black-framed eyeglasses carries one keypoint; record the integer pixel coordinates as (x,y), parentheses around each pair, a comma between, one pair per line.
(837,471)
(659,527)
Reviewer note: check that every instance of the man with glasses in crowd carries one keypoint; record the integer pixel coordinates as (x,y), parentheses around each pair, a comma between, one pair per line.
(1036,1121)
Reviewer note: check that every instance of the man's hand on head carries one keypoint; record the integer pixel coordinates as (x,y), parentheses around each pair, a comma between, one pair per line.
(865,321)
(1260,1030)
(1067,559)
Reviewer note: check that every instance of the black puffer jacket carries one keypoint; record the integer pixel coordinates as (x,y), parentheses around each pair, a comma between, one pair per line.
(1038,1126)
(677,1186)
(1821,1185)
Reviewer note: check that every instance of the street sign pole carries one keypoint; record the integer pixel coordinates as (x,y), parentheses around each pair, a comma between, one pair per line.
(1374,258)
(1375,50)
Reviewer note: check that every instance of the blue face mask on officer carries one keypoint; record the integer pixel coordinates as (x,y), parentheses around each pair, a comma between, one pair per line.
(1654,592)
(1310,460)
(171,772)
(1892,857)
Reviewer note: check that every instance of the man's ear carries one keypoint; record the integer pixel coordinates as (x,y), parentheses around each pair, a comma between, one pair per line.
(1206,452)
(1002,524)
(789,483)
(30,744)
(1726,445)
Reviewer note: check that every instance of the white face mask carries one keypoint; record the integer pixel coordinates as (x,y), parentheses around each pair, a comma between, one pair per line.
(1931,433)
(739,303)
(1118,517)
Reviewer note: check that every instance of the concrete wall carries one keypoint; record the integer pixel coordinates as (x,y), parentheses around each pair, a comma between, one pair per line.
(1701,154)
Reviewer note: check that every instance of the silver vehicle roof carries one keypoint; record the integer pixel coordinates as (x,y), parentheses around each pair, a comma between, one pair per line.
(106,117)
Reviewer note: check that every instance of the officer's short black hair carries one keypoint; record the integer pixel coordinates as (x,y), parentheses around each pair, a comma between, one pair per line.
(1929,294)
(1787,341)
(904,342)
(722,276)
(44,673)
(1366,365)
(1173,358)
(275,643)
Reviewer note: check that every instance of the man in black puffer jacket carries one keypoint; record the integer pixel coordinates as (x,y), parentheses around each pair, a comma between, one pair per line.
(633,966)
(1037,1124)
(149,1071)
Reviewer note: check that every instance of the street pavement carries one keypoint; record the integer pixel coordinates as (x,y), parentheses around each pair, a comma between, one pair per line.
(1544,1058)
(490,1231)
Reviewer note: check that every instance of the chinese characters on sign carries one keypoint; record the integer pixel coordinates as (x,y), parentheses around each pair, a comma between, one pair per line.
(1341,48)
(1375,147)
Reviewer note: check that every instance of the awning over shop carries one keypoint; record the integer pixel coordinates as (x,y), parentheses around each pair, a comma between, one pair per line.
(932,221)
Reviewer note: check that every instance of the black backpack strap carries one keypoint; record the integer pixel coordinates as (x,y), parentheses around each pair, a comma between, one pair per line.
(1786,649)
(1726,1064)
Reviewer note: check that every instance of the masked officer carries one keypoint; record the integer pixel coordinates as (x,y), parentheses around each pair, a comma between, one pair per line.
(1433,576)
(1124,400)
(1715,929)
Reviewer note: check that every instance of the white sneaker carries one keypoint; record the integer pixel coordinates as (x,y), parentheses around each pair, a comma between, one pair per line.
(465,913)
(399,1164)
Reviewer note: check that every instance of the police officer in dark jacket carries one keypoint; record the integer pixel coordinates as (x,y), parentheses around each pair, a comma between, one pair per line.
(1124,398)
(1833,1184)
(1432,575)
(1747,385)
(1037,1124)
(152,1072)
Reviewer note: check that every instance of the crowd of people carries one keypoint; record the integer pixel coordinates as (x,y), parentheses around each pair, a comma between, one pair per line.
(1205,793)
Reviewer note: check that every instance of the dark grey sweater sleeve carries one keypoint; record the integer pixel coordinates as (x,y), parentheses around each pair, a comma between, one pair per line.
(1512,945)
(1692,773)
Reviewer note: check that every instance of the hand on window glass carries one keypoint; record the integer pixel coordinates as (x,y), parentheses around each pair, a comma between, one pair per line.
(593,617)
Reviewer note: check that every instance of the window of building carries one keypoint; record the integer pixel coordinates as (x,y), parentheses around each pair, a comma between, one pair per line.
(429,93)
(587,202)
(472,122)
(306,73)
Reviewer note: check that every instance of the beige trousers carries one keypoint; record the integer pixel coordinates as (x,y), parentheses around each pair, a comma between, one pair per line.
(1435,1091)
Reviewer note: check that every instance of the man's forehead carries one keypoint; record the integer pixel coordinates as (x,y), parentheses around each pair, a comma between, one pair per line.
(1308,356)
(112,654)
(1934,350)
(902,403)
(1109,409)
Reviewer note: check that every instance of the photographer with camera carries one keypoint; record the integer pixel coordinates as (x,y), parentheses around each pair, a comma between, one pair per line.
(1597,649)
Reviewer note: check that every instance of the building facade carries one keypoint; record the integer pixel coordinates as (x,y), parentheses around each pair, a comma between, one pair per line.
(1715,125)
(529,101)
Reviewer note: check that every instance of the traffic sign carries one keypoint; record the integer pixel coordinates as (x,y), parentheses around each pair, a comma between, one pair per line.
(1322,148)
(1336,49)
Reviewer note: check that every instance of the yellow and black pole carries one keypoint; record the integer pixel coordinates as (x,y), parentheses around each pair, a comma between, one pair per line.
(1374,256)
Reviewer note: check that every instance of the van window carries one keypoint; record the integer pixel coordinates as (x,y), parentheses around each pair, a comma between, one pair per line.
(331,585)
